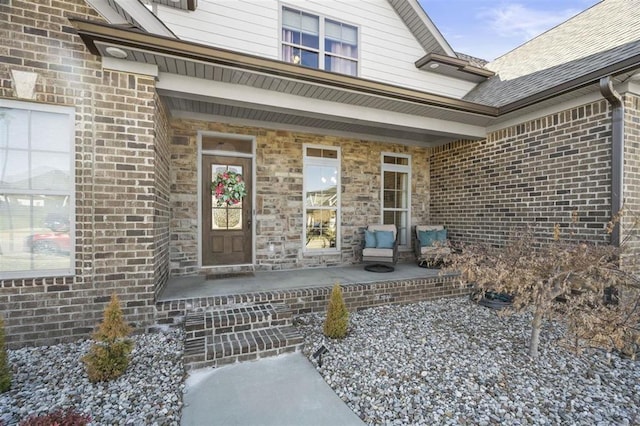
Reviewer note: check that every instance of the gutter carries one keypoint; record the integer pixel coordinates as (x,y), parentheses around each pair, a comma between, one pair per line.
(617,152)
(626,65)
(93,34)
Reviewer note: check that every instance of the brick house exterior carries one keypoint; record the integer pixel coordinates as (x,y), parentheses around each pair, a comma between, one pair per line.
(137,218)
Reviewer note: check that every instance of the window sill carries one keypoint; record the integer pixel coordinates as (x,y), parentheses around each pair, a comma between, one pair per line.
(320,253)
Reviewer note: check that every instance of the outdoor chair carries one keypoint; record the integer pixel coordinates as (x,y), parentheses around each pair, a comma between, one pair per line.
(380,244)
(431,245)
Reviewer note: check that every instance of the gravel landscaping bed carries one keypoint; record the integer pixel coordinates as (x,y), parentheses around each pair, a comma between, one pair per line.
(50,377)
(454,362)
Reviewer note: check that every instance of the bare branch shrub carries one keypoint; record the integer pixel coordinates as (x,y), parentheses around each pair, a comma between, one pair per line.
(564,278)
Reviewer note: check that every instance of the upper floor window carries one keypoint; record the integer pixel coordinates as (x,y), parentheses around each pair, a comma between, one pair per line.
(36,190)
(317,42)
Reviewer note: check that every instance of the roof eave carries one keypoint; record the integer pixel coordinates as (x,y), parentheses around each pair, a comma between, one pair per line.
(464,69)
(90,32)
(627,65)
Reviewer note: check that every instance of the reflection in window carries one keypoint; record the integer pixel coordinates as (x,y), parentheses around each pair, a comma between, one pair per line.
(225,217)
(302,45)
(321,198)
(36,190)
(396,179)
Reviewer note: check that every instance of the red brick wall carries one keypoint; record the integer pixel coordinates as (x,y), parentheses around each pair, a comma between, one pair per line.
(116,174)
(537,172)
(632,171)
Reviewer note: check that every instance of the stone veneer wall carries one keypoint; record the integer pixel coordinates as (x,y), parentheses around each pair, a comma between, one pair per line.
(537,172)
(278,202)
(115,177)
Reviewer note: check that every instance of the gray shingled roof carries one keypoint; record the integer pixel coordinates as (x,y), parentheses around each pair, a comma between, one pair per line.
(601,36)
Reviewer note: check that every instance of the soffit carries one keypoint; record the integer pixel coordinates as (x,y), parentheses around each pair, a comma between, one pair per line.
(210,64)
(207,109)
(178,4)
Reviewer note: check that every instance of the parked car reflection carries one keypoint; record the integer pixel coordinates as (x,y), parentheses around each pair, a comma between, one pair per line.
(48,242)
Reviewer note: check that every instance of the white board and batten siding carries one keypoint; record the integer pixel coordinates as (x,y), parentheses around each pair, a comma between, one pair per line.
(388,50)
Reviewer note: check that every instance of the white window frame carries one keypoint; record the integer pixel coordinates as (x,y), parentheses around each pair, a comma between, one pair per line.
(321,36)
(399,168)
(330,162)
(70,192)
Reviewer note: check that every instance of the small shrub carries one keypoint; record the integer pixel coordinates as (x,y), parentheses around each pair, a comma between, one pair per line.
(68,417)
(5,371)
(108,357)
(337,322)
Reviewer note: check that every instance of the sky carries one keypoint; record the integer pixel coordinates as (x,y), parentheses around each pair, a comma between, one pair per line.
(488,29)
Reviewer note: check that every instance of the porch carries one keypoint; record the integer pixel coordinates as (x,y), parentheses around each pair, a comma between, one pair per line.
(247,317)
(203,286)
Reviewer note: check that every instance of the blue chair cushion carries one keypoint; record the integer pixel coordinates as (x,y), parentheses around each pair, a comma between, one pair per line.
(441,235)
(370,239)
(427,238)
(385,239)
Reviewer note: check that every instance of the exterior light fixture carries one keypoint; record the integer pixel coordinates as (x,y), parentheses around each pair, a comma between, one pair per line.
(434,66)
(318,354)
(116,52)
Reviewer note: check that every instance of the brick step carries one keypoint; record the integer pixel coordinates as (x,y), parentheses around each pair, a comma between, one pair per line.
(233,319)
(232,333)
(221,349)
(250,317)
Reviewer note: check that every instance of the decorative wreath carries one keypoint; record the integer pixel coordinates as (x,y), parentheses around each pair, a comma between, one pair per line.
(229,188)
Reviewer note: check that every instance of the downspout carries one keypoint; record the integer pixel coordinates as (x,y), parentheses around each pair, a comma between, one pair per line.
(617,152)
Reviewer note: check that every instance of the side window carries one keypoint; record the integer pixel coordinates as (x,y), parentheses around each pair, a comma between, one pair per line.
(37,177)
(396,194)
(321,198)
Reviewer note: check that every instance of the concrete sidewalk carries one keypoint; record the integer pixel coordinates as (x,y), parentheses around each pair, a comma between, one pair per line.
(279,391)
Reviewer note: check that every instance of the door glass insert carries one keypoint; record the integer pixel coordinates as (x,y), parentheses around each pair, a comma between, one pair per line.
(225,216)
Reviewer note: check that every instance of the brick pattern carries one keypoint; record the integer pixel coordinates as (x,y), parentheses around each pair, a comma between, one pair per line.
(307,300)
(238,333)
(162,191)
(632,169)
(537,172)
(115,177)
(279,194)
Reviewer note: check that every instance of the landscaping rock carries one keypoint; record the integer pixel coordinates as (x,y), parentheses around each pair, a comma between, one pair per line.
(50,377)
(454,362)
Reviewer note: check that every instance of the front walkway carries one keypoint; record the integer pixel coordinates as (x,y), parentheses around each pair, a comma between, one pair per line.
(180,288)
(282,391)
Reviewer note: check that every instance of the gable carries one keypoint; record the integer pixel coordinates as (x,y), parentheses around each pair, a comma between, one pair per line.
(388,48)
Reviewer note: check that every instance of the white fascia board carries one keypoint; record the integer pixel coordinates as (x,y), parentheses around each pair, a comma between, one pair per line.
(630,86)
(238,95)
(145,17)
(514,118)
(430,140)
(107,12)
(129,66)
(432,28)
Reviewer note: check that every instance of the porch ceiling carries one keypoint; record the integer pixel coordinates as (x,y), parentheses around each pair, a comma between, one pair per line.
(273,118)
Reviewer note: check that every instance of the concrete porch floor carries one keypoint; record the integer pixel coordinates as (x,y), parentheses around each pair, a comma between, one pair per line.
(180,288)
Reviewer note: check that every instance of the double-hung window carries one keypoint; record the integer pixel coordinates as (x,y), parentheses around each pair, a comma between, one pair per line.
(317,42)
(36,190)
(321,198)
(396,194)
